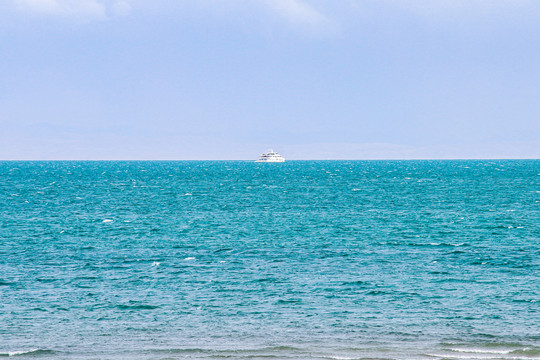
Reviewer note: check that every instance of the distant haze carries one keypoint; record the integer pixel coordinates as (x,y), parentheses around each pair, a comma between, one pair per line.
(312,79)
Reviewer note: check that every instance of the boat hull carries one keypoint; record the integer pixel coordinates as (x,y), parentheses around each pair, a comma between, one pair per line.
(270,161)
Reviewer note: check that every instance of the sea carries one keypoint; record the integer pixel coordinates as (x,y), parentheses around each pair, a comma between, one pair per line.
(424,260)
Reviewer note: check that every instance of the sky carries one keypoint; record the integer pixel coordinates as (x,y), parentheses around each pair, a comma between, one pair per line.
(229,79)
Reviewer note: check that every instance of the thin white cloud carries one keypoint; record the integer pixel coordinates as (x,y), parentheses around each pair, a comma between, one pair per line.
(305,13)
(449,7)
(297,12)
(83,9)
(121,7)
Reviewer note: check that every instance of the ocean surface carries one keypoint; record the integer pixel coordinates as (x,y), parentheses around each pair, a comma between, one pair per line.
(241,260)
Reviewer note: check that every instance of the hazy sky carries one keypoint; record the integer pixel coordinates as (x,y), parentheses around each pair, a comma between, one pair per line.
(228,79)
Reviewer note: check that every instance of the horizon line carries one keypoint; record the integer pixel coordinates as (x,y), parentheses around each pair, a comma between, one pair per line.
(253,160)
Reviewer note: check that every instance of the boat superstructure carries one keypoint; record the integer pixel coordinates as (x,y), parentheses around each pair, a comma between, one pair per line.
(270,156)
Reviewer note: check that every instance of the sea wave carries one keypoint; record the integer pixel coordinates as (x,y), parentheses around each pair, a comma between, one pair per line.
(31,352)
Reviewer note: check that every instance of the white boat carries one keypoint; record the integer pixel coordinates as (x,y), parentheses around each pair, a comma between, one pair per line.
(270,156)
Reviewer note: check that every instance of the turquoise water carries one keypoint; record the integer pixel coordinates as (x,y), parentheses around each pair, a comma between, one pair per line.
(300,260)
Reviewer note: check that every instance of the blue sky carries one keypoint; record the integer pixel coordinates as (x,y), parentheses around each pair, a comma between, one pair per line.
(228,79)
